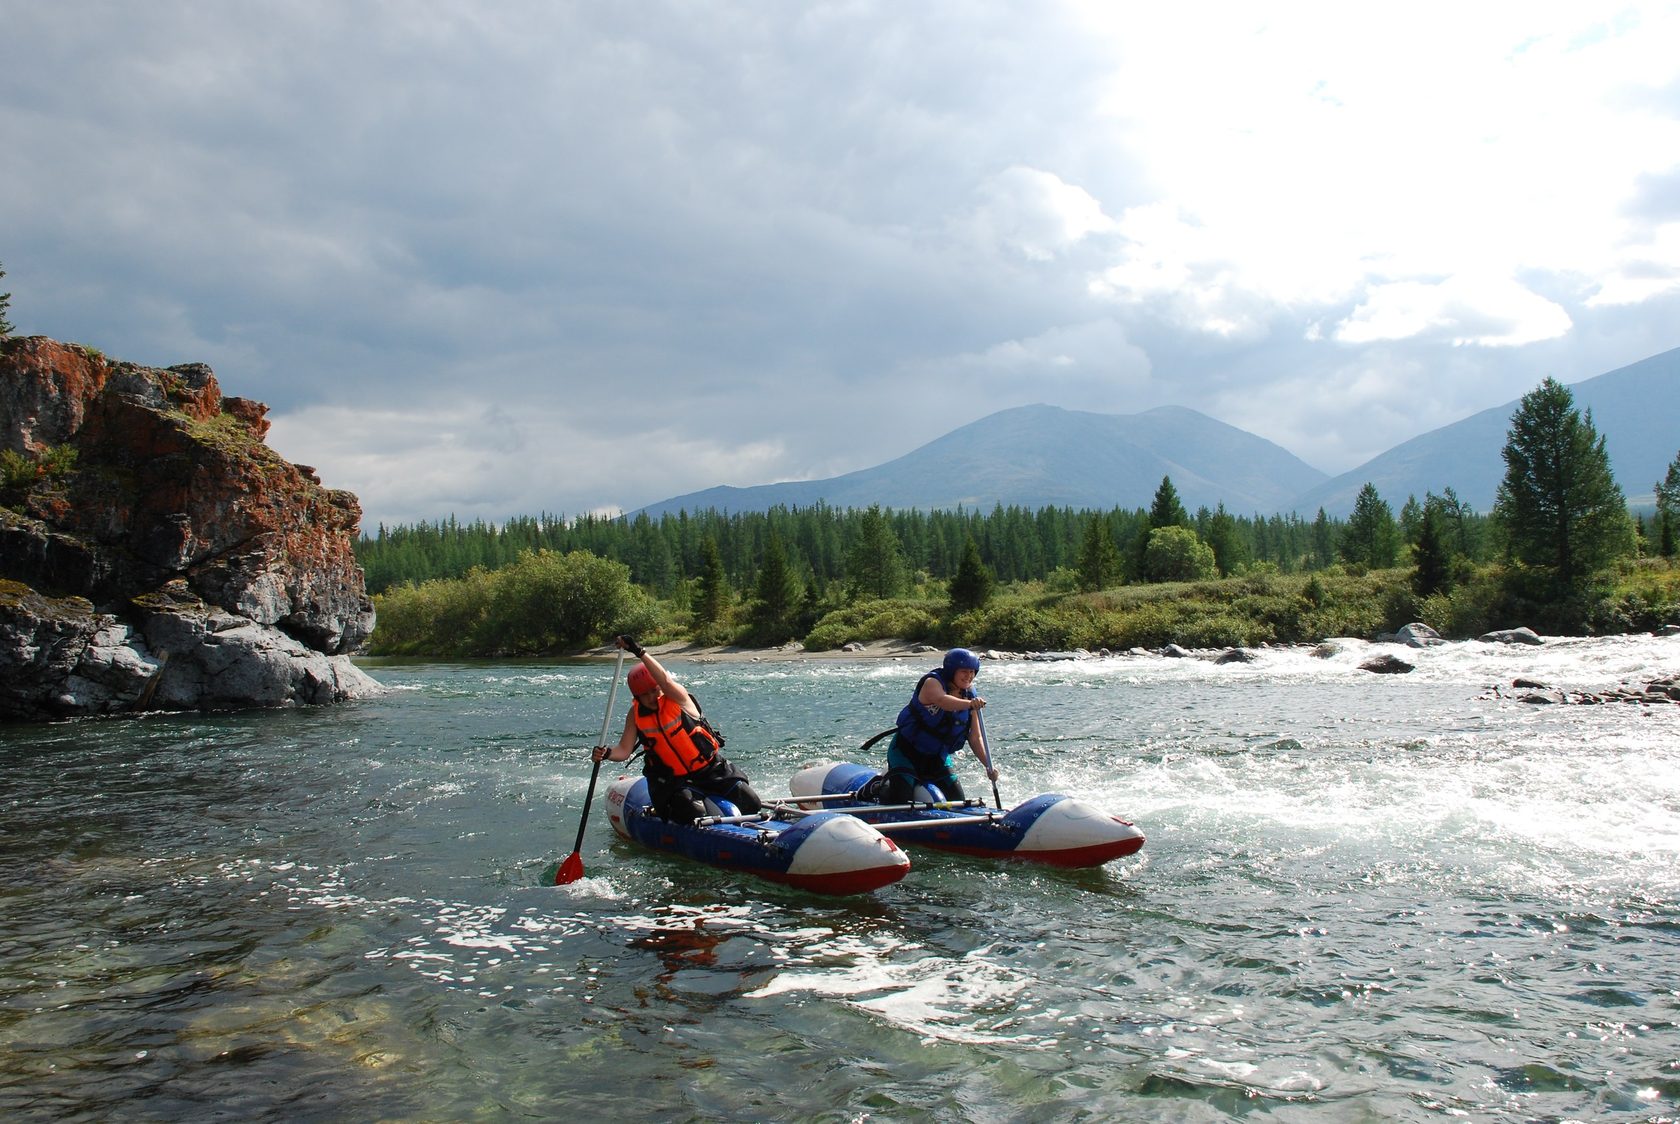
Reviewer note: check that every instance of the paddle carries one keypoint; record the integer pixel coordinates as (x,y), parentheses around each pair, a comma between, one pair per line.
(571,869)
(980,725)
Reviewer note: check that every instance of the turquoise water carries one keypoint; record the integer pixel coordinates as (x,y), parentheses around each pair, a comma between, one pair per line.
(1363,898)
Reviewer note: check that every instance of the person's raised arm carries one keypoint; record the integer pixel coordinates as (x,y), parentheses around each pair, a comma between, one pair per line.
(670,687)
(934,694)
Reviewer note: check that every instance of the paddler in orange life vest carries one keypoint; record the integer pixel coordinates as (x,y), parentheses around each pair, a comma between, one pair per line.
(934,724)
(683,766)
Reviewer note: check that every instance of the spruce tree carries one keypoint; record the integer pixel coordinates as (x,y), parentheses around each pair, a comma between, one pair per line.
(1371,537)
(875,564)
(711,598)
(1561,508)
(5,307)
(1227,545)
(1167,511)
(776,595)
(971,588)
(1431,557)
(1099,558)
(1323,541)
(1668,508)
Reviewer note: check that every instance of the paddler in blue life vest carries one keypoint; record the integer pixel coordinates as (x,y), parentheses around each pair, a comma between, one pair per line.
(936,721)
(683,766)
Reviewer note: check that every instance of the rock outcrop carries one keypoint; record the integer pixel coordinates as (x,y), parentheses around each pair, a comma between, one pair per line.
(1661,692)
(156,553)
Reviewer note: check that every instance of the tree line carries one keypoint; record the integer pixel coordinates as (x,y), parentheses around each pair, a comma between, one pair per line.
(884,552)
(1559,525)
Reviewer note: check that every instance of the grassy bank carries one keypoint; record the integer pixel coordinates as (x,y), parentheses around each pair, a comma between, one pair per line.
(489,614)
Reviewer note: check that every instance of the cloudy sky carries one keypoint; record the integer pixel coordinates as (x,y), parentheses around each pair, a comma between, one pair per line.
(493,257)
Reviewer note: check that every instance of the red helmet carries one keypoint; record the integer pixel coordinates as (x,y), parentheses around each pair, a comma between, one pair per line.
(641,680)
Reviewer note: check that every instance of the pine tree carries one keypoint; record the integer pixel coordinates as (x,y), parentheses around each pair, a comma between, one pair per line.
(971,588)
(1099,558)
(1227,545)
(1167,511)
(1668,508)
(1323,541)
(875,564)
(6,328)
(1431,557)
(1371,537)
(1561,507)
(1411,520)
(711,598)
(776,595)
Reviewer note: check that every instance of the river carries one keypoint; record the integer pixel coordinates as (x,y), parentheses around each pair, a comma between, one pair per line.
(1362,898)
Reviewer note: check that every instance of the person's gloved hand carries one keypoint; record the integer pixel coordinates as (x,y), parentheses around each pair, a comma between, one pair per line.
(628,643)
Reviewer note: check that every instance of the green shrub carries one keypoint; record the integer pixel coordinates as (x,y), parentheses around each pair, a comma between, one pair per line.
(20,470)
(887,619)
(1152,625)
(544,603)
(1019,628)
(551,602)
(435,618)
(17,470)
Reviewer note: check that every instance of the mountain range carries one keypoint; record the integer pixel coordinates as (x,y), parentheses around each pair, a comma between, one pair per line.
(1045,456)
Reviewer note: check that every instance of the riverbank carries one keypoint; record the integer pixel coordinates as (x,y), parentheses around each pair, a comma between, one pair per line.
(729,653)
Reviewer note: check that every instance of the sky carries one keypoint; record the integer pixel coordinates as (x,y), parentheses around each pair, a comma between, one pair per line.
(488,259)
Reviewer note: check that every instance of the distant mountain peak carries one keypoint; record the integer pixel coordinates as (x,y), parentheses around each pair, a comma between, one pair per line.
(1046,456)
(1636,408)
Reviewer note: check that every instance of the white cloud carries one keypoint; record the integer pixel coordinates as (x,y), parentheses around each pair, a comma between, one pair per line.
(497,461)
(1090,365)
(1038,214)
(1491,312)
(1643,272)
(1305,148)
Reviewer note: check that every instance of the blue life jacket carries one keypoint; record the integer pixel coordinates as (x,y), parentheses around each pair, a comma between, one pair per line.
(929,730)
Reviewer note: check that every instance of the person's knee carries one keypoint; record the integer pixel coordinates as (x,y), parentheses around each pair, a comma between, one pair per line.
(684,806)
(898,788)
(746,799)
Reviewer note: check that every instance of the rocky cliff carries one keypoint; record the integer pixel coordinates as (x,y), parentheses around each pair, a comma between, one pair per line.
(155,553)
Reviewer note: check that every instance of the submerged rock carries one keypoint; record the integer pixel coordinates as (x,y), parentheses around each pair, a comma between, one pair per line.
(1386,665)
(1511,636)
(157,553)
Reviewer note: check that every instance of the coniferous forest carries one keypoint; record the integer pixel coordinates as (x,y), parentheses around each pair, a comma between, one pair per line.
(1560,552)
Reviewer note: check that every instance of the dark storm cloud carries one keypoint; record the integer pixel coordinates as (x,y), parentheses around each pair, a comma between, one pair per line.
(499,258)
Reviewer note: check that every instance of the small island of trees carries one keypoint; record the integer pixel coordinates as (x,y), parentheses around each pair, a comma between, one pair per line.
(1560,552)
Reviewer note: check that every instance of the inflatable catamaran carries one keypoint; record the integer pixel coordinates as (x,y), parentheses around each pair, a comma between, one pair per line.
(1053,829)
(824,852)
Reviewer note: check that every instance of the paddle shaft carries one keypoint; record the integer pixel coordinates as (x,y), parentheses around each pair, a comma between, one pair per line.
(980,725)
(567,866)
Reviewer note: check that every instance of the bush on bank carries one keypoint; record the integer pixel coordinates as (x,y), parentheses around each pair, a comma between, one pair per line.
(550,604)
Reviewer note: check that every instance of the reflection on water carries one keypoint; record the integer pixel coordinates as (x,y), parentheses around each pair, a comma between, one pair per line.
(1362,898)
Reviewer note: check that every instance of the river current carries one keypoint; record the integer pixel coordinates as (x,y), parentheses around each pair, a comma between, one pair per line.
(1363,898)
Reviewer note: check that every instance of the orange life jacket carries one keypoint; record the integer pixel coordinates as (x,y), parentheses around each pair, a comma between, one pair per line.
(675,737)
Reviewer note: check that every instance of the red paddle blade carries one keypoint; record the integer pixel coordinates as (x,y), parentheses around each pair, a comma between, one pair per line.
(570,870)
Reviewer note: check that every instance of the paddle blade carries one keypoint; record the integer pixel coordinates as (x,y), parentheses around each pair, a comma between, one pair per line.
(570,870)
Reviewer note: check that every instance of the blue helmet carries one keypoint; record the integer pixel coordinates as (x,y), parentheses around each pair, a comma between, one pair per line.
(959,658)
